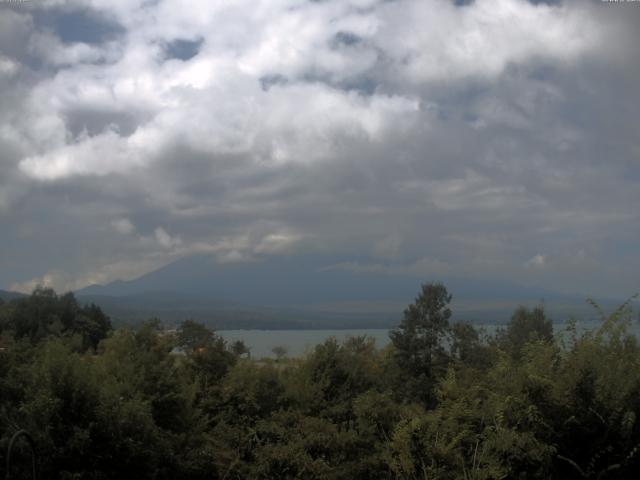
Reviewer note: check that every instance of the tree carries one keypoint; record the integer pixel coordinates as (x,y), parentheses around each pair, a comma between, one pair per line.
(207,352)
(193,336)
(418,341)
(45,314)
(240,348)
(525,326)
(92,324)
(468,347)
(279,351)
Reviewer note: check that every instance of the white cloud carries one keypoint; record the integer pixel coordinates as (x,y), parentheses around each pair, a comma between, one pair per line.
(447,42)
(8,67)
(49,48)
(47,280)
(165,240)
(65,281)
(97,155)
(214,102)
(233,256)
(277,243)
(537,261)
(123,226)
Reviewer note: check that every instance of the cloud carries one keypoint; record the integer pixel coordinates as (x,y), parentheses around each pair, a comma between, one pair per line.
(447,42)
(432,137)
(537,261)
(165,240)
(213,101)
(277,243)
(86,157)
(47,281)
(430,267)
(65,281)
(8,67)
(123,226)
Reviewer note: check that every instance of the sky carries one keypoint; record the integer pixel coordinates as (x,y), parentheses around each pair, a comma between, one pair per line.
(486,139)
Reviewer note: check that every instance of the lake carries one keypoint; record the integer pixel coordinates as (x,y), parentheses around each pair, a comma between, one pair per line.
(298,342)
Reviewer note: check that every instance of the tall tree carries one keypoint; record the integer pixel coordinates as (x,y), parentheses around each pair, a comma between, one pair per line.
(525,326)
(419,341)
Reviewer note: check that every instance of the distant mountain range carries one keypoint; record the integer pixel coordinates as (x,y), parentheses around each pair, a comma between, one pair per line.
(309,292)
(7,296)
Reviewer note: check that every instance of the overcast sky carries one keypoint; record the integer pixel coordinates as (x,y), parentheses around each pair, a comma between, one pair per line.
(495,139)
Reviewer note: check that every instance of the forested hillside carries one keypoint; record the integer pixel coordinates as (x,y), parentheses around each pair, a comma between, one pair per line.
(442,401)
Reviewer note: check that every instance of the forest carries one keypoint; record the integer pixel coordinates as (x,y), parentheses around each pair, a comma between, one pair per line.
(443,400)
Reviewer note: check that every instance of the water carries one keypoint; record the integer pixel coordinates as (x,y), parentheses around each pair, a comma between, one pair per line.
(299,342)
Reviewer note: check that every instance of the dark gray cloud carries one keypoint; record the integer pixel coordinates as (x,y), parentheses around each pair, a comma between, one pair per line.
(182,49)
(495,140)
(77,25)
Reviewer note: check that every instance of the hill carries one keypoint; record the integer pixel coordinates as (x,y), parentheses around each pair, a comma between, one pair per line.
(309,292)
(7,295)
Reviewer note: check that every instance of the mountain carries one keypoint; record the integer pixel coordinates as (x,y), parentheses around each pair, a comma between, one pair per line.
(308,292)
(296,281)
(276,281)
(7,295)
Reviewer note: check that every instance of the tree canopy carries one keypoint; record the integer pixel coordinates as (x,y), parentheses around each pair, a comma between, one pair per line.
(443,400)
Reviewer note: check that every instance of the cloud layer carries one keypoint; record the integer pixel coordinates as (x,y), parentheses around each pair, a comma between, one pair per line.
(496,138)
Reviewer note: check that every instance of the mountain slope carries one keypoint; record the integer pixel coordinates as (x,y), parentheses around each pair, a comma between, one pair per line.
(309,292)
(295,281)
(7,295)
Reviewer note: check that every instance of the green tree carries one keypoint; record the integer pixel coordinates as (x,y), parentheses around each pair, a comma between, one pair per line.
(45,314)
(193,336)
(240,348)
(468,347)
(279,351)
(419,342)
(525,326)
(207,358)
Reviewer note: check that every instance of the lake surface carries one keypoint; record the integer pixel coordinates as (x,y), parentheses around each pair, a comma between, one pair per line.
(298,342)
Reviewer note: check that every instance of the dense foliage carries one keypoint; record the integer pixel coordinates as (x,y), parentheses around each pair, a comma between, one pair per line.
(442,401)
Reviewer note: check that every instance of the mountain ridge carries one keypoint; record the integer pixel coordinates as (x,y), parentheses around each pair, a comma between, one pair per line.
(304,292)
(294,280)
(8,295)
